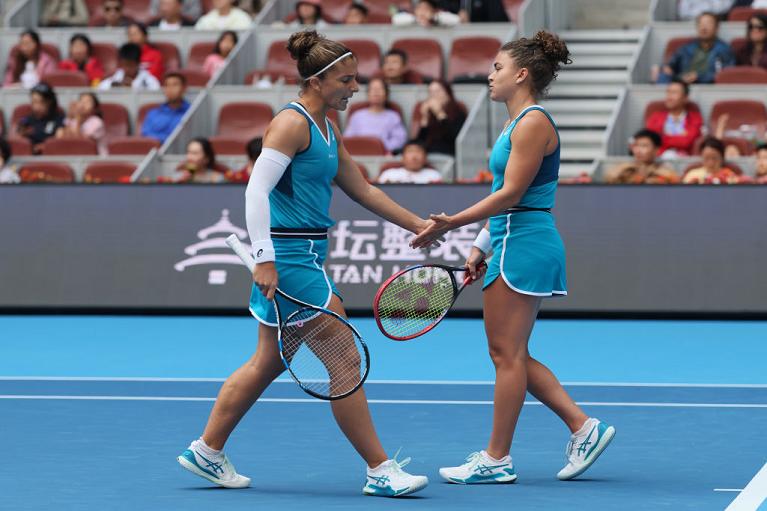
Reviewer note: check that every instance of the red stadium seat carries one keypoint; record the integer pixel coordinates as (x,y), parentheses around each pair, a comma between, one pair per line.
(244,120)
(69,146)
(744,13)
(20,146)
(106,53)
(365,104)
(658,106)
(741,112)
(512,8)
(364,146)
(335,10)
(109,172)
(368,56)
(171,58)
(363,170)
(279,62)
(132,145)
(471,59)
(139,10)
(61,78)
(50,49)
(206,5)
(738,44)
(673,45)
(194,77)
(46,172)
(423,56)
(198,53)
(741,74)
(22,111)
(228,145)
(142,111)
(378,18)
(116,120)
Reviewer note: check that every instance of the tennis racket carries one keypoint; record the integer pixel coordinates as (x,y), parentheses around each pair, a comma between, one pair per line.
(321,350)
(413,301)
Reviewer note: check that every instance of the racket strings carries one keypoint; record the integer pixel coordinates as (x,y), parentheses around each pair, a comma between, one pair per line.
(324,354)
(415,300)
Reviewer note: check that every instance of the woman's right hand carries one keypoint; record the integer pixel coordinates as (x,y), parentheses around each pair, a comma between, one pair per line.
(265,277)
(475,257)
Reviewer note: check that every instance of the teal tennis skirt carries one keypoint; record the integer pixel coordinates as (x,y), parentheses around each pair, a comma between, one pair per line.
(299,263)
(528,254)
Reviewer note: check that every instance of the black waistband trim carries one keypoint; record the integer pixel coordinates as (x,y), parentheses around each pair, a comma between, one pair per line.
(299,232)
(522,209)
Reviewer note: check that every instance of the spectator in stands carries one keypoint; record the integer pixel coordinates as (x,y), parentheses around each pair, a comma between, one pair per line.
(678,124)
(691,9)
(45,118)
(85,120)
(426,14)
(129,72)
(171,16)
(113,14)
(754,53)
(81,59)
(199,164)
(64,13)
(476,11)
(225,15)
(441,119)
(699,60)
(28,63)
(224,46)
(378,119)
(151,58)
(413,169)
(308,12)
(253,150)
(645,168)
(8,174)
(190,9)
(356,15)
(160,122)
(713,169)
(394,69)
(761,163)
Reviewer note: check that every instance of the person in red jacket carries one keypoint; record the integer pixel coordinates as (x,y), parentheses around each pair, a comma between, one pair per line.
(81,59)
(678,124)
(151,58)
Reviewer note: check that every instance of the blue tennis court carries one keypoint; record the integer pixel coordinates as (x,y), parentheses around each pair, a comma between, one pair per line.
(97,408)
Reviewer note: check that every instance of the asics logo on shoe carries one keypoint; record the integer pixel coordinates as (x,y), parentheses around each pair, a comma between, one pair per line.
(583,446)
(382,480)
(216,467)
(484,469)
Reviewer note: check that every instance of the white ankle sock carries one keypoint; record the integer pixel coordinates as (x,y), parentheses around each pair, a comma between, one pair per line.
(505,459)
(205,449)
(584,429)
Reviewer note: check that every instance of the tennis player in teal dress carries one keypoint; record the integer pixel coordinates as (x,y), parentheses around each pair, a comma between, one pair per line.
(527,263)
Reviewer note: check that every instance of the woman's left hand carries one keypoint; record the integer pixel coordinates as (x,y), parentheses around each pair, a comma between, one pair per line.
(440,224)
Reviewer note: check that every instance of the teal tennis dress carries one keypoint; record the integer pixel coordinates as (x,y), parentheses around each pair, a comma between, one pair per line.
(299,208)
(528,252)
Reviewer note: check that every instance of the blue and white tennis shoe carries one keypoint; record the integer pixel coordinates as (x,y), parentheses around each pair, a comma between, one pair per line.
(481,469)
(216,469)
(584,448)
(389,480)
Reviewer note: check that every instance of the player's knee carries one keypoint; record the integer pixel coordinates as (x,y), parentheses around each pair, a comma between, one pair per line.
(504,356)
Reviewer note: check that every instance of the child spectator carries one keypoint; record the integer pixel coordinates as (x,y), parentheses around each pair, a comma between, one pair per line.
(224,46)
(171,15)
(28,63)
(414,169)
(81,59)
(8,174)
(378,119)
(45,118)
(151,58)
(160,122)
(645,168)
(754,53)
(441,118)
(678,124)
(64,13)
(225,15)
(129,72)
(85,120)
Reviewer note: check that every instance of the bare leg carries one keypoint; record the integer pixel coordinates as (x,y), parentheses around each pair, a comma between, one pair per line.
(509,318)
(542,384)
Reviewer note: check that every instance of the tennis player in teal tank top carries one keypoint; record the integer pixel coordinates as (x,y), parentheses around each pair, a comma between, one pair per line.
(287,205)
(527,263)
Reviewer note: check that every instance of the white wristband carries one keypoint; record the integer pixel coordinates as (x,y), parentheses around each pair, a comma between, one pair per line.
(483,241)
(263,251)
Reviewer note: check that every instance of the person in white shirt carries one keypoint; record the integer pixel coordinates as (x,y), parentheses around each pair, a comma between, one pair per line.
(426,14)
(225,15)
(414,169)
(7,174)
(129,72)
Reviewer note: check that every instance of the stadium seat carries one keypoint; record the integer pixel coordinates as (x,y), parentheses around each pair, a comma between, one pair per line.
(109,172)
(194,77)
(50,49)
(382,7)
(46,172)
(745,147)
(106,53)
(171,58)
(368,56)
(69,146)
(364,104)
(20,146)
(673,45)
(738,44)
(206,5)
(659,105)
(512,8)
(132,145)
(471,59)
(227,145)
(22,111)
(244,120)
(741,112)
(335,10)
(364,146)
(363,170)
(116,120)
(741,74)
(61,78)
(198,53)
(378,18)
(423,56)
(139,10)
(744,13)
(278,64)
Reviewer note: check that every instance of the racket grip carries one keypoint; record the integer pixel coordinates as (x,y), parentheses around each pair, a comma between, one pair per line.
(467,280)
(234,243)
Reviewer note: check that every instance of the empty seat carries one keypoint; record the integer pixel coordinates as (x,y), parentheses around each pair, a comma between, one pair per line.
(365,104)
(46,172)
(109,172)
(132,145)
(106,53)
(673,45)
(471,59)
(69,146)
(198,53)
(244,120)
(142,111)
(364,146)
(658,106)
(744,13)
(194,77)
(227,145)
(116,120)
(171,58)
(279,62)
(61,78)
(20,146)
(741,74)
(378,18)
(368,56)
(423,56)
(139,10)
(335,10)
(741,113)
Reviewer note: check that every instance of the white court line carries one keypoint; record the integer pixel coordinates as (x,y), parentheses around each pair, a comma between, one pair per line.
(376,401)
(387,382)
(753,494)
(729,489)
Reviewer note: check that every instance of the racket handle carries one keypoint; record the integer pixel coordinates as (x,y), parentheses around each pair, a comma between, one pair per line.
(468,280)
(234,243)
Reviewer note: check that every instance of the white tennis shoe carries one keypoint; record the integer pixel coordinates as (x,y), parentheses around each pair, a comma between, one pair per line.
(216,469)
(480,469)
(584,448)
(389,480)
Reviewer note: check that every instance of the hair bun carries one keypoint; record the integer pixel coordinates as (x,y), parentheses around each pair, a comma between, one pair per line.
(553,48)
(301,43)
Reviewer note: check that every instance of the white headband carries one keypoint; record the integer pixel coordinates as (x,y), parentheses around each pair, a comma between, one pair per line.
(348,53)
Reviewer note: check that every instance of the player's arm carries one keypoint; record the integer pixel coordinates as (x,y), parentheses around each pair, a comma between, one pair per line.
(286,135)
(350,180)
